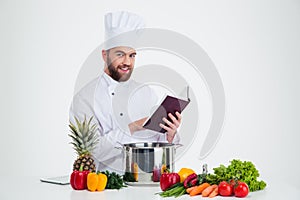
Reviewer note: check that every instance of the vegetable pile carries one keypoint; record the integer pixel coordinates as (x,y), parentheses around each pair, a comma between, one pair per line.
(238,179)
(189,182)
(244,171)
(85,179)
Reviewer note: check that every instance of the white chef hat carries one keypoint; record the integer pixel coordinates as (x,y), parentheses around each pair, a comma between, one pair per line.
(122,29)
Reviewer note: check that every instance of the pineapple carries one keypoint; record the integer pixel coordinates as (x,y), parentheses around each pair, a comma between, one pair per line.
(84,140)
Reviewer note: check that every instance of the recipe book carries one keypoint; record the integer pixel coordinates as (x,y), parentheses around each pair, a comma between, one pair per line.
(169,104)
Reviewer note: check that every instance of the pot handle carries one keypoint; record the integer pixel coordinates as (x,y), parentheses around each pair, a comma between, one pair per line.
(178,145)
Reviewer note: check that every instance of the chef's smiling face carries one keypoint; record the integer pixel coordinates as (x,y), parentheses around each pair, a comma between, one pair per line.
(119,62)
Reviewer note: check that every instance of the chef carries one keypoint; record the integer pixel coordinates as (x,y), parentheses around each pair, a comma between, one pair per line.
(100,97)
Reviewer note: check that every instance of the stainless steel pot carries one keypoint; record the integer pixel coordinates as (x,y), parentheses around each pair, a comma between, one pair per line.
(144,162)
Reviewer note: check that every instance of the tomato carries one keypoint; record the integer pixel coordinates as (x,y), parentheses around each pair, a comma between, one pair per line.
(225,189)
(241,190)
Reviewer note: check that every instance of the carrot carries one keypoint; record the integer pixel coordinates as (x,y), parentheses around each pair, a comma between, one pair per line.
(188,190)
(214,193)
(199,189)
(208,190)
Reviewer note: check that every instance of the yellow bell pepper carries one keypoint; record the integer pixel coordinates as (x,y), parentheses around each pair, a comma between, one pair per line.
(163,169)
(96,181)
(184,173)
(102,181)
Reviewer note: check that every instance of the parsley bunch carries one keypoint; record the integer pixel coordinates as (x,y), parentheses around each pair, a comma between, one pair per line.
(244,171)
(114,180)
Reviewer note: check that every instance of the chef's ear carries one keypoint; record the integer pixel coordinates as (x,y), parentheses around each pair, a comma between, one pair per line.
(104,55)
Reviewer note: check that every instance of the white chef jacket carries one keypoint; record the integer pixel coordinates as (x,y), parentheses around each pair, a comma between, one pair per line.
(95,99)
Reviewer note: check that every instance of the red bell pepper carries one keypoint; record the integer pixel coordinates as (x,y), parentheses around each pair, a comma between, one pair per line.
(168,179)
(78,179)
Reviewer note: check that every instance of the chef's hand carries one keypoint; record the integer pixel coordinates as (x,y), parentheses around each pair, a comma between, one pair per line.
(172,125)
(137,125)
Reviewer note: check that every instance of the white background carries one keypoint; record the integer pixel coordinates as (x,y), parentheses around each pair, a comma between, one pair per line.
(255,46)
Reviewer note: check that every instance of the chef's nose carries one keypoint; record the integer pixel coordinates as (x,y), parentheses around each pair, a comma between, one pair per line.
(127,60)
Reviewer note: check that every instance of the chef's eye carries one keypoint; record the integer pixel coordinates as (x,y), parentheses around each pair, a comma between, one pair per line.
(132,55)
(120,54)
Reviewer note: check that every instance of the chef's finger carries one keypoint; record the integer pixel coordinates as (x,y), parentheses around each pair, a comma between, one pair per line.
(170,123)
(179,117)
(175,121)
(165,127)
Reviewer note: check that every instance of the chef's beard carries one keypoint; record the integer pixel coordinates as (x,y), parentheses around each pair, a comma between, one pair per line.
(114,74)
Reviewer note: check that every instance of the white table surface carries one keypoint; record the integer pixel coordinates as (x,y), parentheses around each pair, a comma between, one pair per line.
(31,188)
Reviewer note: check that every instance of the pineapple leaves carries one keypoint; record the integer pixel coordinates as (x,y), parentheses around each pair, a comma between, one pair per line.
(78,123)
(76,148)
(93,133)
(83,135)
(75,139)
(90,121)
